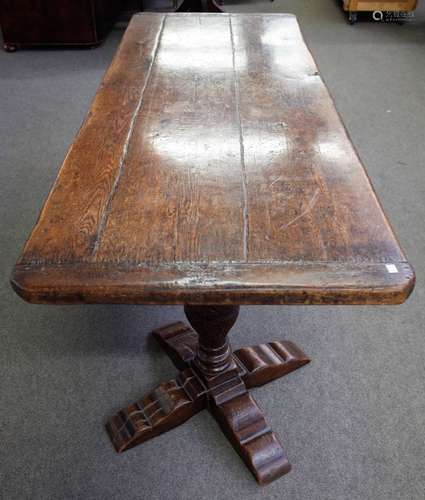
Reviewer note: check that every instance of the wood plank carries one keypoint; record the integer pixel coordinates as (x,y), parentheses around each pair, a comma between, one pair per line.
(308,195)
(78,204)
(182,199)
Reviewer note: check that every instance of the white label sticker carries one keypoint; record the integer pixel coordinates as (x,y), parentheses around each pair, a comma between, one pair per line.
(391,268)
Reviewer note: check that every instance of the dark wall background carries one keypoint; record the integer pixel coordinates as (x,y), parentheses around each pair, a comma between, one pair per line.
(130,5)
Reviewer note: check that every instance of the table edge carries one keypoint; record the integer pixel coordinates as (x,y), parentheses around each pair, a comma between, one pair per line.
(234,283)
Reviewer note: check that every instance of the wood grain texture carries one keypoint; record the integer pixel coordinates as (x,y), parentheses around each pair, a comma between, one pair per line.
(256,365)
(213,377)
(383,5)
(213,168)
(167,406)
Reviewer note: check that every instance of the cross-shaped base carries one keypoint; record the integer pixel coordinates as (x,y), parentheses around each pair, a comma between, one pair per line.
(213,377)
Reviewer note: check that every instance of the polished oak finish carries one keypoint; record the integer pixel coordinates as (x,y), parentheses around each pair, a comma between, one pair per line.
(215,378)
(212,168)
(212,171)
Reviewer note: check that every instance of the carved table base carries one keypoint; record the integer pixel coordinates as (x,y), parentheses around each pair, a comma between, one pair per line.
(213,377)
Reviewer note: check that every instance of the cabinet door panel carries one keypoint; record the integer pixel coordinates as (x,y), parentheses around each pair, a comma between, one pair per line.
(48,21)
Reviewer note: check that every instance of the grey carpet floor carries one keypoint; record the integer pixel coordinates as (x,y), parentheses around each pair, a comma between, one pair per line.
(353,421)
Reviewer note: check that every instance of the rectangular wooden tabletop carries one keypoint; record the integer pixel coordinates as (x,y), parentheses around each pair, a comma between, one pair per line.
(212,168)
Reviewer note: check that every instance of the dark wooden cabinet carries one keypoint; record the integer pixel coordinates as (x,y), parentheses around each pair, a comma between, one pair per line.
(53,22)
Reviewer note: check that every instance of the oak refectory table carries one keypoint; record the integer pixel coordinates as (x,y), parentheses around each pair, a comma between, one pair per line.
(212,171)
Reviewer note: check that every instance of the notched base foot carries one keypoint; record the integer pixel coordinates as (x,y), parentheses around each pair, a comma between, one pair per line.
(167,406)
(225,394)
(257,365)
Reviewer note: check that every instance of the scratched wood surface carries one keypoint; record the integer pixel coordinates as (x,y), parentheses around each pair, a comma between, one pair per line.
(213,168)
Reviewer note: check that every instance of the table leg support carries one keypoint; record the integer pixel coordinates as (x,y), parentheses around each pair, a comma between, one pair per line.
(200,6)
(258,365)
(166,407)
(213,377)
(243,423)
